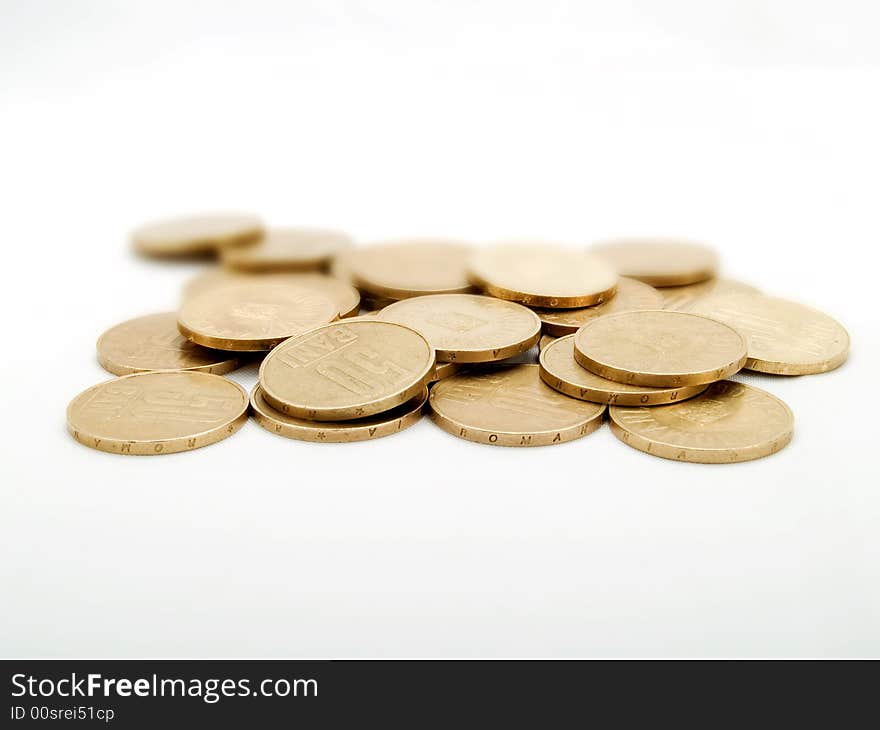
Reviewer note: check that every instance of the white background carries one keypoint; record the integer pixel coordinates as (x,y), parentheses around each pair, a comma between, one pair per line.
(750,125)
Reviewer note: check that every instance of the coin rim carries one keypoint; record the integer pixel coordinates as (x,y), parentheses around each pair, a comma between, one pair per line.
(138,447)
(654,379)
(346,413)
(699,455)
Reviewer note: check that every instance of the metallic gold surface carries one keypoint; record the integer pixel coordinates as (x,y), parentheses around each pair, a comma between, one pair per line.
(630,295)
(659,349)
(680,298)
(157,413)
(346,370)
(152,343)
(444,370)
(660,262)
(402,269)
(196,234)
(728,422)
(784,337)
(347,298)
(542,275)
(468,327)
(561,372)
(545,340)
(510,406)
(252,317)
(362,429)
(287,249)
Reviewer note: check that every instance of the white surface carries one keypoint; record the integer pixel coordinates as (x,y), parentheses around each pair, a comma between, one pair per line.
(752,125)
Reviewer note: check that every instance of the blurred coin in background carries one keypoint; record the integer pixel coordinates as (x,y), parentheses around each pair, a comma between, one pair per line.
(680,298)
(197,235)
(660,262)
(287,249)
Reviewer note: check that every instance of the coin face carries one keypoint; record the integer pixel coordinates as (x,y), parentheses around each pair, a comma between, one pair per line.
(468,327)
(154,343)
(542,275)
(658,348)
(346,370)
(509,405)
(680,298)
(630,295)
(561,372)
(660,262)
(287,249)
(157,413)
(196,234)
(402,269)
(784,337)
(728,422)
(361,429)
(252,318)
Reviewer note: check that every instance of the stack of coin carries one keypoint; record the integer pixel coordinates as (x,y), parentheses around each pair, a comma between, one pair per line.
(644,330)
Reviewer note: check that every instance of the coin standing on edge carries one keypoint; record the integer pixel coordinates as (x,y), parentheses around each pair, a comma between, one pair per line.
(660,262)
(659,348)
(376,426)
(729,422)
(468,328)
(157,413)
(152,342)
(630,295)
(196,235)
(510,406)
(402,269)
(784,337)
(542,275)
(561,372)
(287,249)
(680,298)
(253,318)
(349,369)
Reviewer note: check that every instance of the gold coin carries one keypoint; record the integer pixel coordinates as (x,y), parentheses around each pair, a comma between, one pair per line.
(680,298)
(509,405)
(630,295)
(252,317)
(157,413)
(468,327)
(345,370)
(542,275)
(444,370)
(660,262)
(347,298)
(659,348)
(152,343)
(561,372)
(728,422)
(784,337)
(196,234)
(287,249)
(335,432)
(402,269)
(545,341)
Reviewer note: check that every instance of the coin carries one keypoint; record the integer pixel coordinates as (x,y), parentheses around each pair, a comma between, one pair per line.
(659,348)
(345,370)
(252,318)
(545,340)
(561,372)
(680,297)
(660,262)
(287,249)
(335,432)
(468,327)
(196,234)
(509,405)
(444,370)
(157,413)
(784,337)
(728,422)
(542,275)
(153,343)
(630,295)
(402,269)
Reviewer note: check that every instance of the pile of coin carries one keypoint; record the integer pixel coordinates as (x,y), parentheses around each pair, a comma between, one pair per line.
(643,329)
